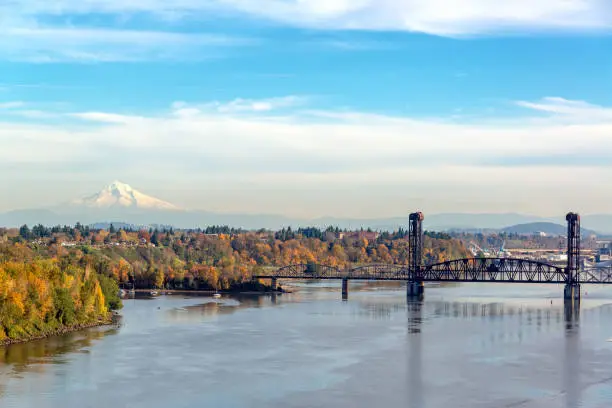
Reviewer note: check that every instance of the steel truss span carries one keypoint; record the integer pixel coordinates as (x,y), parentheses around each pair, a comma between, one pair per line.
(494,270)
(306,271)
(596,275)
(460,270)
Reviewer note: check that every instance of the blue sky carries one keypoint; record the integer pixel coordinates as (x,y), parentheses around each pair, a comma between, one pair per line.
(300,107)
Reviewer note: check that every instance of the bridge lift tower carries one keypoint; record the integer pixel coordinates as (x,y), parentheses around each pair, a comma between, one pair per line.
(572,284)
(415,289)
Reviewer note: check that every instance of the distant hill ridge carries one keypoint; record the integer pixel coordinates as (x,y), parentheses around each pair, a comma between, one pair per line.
(120,203)
(549,228)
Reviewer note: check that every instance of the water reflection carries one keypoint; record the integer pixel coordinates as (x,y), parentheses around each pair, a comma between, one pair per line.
(311,349)
(213,308)
(415,354)
(516,323)
(34,355)
(572,315)
(571,366)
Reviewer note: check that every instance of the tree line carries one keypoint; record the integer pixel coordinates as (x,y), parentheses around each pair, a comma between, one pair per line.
(215,257)
(39,297)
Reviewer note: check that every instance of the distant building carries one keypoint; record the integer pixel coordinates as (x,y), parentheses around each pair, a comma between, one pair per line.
(604,248)
(369,235)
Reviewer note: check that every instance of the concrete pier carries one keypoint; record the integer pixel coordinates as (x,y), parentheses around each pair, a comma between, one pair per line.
(415,289)
(572,292)
(274,284)
(344,289)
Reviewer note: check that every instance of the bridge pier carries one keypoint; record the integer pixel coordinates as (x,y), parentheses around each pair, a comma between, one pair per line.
(344,289)
(572,292)
(415,289)
(274,284)
(572,312)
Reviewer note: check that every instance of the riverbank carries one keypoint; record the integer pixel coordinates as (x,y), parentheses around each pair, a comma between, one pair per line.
(112,320)
(235,289)
(209,292)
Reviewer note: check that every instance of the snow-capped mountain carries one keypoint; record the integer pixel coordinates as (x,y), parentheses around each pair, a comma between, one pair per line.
(121,195)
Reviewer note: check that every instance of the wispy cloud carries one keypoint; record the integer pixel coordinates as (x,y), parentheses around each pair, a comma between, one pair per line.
(356,45)
(54,44)
(11,105)
(240,105)
(338,153)
(104,117)
(574,110)
(35,114)
(439,17)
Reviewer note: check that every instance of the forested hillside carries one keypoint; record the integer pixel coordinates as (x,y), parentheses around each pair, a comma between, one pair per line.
(217,258)
(42,297)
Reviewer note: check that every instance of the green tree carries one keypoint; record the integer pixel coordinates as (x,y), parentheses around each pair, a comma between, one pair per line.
(159,278)
(110,290)
(65,312)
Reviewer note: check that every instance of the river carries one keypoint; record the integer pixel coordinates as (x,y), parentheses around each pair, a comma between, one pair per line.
(472,345)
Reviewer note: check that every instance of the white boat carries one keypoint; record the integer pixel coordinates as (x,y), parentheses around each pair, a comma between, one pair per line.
(217,295)
(154,293)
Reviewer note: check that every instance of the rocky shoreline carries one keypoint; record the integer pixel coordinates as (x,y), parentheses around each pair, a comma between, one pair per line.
(61,331)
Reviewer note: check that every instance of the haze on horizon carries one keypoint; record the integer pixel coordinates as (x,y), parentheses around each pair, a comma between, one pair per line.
(310,108)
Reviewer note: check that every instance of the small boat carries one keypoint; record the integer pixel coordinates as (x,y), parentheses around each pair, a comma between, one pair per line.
(154,293)
(217,295)
(122,292)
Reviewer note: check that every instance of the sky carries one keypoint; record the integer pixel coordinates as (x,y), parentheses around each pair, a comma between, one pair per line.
(355,108)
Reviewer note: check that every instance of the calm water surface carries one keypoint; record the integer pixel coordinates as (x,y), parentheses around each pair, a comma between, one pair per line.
(465,346)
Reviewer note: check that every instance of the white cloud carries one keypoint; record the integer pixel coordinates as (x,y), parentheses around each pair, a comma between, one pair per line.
(329,155)
(25,37)
(257,105)
(34,114)
(238,106)
(106,117)
(574,110)
(53,44)
(440,17)
(11,105)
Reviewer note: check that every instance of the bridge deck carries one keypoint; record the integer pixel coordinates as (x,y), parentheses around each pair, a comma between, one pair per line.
(502,270)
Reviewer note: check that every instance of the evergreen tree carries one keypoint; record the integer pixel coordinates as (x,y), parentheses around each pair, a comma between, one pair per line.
(154,239)
(24,232)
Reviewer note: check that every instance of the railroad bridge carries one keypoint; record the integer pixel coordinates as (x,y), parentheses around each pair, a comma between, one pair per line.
(502,270)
